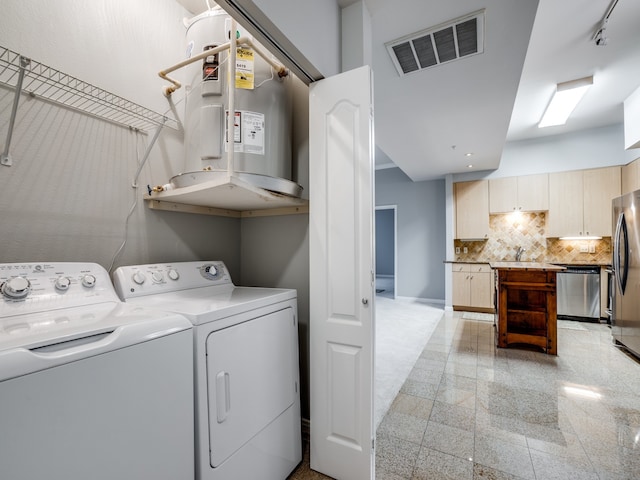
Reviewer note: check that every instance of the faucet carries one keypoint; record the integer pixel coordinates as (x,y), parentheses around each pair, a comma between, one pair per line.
(519,253)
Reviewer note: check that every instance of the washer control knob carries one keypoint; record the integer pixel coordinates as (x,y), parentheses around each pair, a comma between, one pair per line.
(209,271)
(16,287)
(157,277)
(173,274)
(88,280)
(62,283)
(139,278)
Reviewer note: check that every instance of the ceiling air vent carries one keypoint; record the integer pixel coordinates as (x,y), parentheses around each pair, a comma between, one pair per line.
(449,41)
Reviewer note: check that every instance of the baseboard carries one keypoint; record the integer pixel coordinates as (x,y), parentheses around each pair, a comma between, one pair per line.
(430,301)
(473,309)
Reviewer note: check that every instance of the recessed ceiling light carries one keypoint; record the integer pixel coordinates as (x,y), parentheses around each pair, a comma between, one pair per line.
(470,166)
(468,154)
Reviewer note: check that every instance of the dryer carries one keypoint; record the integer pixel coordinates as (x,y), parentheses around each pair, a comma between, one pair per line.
(90,387)
(247,397)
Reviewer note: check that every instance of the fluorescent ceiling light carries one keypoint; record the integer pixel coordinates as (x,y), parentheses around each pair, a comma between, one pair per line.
(564,100)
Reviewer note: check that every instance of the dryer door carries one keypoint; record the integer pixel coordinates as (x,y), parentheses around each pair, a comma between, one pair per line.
(251,376)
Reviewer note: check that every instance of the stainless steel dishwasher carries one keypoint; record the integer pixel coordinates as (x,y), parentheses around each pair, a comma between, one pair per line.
(578,290)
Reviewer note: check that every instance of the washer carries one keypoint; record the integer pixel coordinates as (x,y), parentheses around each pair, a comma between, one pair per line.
(246,365)
(90,387)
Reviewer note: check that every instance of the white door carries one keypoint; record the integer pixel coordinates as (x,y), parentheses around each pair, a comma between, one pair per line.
(341,275)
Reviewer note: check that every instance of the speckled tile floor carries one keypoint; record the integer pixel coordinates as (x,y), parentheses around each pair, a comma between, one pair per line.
(471,411)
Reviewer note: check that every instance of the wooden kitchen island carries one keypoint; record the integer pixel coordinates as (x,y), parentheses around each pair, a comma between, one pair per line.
(526,304)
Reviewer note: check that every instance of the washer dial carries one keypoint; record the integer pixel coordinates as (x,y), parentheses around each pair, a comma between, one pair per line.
(88,280)
(16,287)
(62,283)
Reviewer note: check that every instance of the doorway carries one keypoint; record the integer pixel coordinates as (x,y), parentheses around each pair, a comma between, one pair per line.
(386,250)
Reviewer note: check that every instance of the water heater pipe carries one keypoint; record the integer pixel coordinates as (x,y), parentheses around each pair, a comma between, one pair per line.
(231,117)
(243,41)
(176,84)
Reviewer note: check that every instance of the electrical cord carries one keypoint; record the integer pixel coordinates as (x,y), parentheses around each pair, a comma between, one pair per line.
(131,210)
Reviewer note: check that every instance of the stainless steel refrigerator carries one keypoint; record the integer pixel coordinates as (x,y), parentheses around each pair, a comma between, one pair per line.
(625,321)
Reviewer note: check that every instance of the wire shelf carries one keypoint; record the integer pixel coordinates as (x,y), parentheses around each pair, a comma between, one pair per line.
(55,86)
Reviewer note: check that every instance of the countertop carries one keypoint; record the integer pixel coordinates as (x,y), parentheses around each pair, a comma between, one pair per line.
(484,262)
(526,266)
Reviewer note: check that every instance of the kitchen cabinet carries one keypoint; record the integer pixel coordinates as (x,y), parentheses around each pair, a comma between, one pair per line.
(631,177)
(601,185)
(472,209)
(472,286)
(528,193)
(580,202)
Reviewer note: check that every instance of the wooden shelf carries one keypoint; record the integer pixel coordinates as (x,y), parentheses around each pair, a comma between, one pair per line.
(227,196)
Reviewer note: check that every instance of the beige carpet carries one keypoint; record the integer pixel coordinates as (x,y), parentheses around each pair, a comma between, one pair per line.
(403,328)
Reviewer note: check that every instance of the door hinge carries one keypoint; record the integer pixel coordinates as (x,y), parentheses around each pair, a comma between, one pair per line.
(373,444)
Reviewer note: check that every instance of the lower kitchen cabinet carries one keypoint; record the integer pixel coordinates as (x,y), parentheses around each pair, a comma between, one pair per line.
(472,287)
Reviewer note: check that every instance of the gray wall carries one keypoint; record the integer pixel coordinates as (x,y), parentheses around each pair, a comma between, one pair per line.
(421,232)
(275,253)
(67,196)
(275,250)
(385,241)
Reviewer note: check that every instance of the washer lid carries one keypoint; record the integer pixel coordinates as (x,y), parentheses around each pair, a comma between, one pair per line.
(208,304)
(46,339)
(42,329)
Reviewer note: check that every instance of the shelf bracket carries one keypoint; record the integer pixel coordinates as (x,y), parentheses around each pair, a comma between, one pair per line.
(5,158)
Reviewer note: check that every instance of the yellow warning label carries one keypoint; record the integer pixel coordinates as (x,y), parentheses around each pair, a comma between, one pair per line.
(244,68)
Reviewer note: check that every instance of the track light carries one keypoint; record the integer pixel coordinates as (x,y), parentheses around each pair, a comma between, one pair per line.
(600,38)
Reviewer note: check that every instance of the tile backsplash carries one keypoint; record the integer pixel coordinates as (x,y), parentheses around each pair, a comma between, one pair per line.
(526,229)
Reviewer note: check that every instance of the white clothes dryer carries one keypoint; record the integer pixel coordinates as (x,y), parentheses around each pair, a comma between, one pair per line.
(246,365)
(90,387)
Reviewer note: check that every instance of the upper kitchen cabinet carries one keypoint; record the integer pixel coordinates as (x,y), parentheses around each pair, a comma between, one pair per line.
(472,209)
(580,202)
(631,177)
(528,193)
(601,185)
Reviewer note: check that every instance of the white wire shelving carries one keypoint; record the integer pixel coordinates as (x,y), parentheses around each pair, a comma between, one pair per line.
(49,84)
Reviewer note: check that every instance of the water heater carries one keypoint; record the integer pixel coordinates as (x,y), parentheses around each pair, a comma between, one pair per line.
(262,119)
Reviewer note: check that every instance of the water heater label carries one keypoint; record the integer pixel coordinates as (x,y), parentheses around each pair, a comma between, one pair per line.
(244,68)
(248,135)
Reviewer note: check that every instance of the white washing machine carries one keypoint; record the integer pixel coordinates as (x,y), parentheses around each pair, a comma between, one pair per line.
(246,365)
(90,387)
